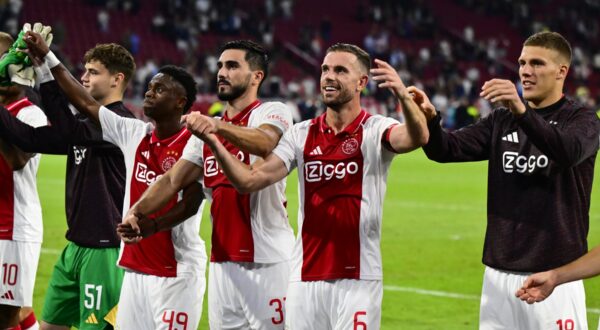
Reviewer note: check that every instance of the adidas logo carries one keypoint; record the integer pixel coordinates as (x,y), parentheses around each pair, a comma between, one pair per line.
(316,151)
(146,154)
(91,319)
(8,295)
(511,137)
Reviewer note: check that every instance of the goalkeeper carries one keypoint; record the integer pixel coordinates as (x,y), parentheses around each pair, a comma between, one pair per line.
(85,283)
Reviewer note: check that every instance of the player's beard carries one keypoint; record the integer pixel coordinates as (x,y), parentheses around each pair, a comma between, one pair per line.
(343,97)
(235,91)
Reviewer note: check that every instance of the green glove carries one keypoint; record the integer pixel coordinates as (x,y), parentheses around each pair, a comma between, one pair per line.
(15,65)
(7,60)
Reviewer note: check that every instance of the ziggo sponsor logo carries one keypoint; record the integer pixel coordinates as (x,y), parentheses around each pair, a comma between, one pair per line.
(211,166)
(142,174)
(316,171)
(512,160)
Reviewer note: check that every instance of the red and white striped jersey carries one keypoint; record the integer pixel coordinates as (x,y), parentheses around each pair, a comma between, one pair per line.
(167,253)
(246,227)
(20,210)
(342,183)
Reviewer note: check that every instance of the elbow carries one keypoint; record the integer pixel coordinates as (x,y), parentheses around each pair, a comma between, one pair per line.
(423,138)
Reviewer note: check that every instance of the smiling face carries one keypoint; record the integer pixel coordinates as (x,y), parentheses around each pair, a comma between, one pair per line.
(342,79)
(164,97)
(234,76)
(542,72)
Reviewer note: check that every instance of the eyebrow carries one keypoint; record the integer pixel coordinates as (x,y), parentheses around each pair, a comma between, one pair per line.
(335,67)
(228,63)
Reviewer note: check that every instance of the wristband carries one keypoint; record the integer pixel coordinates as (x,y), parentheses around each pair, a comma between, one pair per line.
(43,73)
(51,60)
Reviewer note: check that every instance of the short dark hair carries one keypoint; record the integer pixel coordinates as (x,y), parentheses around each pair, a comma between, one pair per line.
(256,55)
(363,57)
(551,40)
(185,79)
(7,40)
(114,57)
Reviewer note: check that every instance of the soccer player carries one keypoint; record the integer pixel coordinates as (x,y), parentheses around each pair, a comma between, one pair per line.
(85,283)
(21,229)
(163,285)
(541,154)
(251,238)
(343,157)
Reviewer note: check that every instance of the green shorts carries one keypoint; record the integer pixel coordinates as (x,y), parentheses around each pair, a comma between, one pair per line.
(84,287)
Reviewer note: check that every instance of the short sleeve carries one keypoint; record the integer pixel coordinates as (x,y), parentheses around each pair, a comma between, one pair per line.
(276,114)
(285,150)
(120,130)
(193,151)
(32,116)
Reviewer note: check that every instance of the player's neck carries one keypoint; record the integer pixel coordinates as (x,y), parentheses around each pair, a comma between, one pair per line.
(238,105)
(167,127)
(111,98)
(550,100)
(338,119)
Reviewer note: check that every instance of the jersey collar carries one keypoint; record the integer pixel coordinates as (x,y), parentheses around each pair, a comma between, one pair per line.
(350,129)
(167,141)
(551,108)
(16,106)
(242,115)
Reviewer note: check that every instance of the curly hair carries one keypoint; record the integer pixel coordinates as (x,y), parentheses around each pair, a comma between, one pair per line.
(185,79)
(114,57)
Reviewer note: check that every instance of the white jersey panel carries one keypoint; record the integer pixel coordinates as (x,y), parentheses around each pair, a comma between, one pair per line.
(125,133)
(27,209)
(291,151)
(377,160)
(273,236)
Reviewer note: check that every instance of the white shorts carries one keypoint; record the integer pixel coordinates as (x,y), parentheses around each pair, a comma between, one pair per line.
(18,265)
(244,295)
(500,309)
(153,302)
(340,304)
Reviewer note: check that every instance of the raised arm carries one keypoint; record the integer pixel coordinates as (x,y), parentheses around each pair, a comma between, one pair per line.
(76,94)
(258,141)
(28,138)
(246,179)
(539,286)
(470,143)
(413,133)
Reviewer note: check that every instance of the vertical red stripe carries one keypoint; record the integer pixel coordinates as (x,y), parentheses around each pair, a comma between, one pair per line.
(7,201)
(332,202)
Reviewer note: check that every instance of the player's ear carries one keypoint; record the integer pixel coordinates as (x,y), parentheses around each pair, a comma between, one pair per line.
(258,76)
(362,83)
(118,79)
(562,72)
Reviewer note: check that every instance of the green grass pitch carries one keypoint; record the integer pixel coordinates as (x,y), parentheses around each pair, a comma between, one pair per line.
(433,228)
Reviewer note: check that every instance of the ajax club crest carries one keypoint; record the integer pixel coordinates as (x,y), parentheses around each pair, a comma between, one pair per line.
(350,146)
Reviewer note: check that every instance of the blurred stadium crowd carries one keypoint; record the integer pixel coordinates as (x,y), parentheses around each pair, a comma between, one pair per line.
(447,47)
